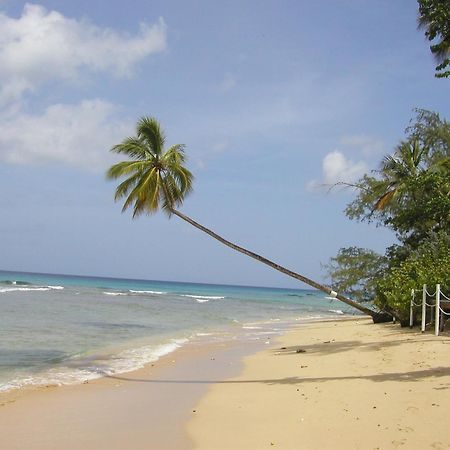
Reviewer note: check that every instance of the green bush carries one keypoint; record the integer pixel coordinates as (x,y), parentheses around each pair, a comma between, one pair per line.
(429,264)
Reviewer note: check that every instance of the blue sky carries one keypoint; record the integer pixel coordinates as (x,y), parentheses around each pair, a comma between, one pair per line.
(271,98)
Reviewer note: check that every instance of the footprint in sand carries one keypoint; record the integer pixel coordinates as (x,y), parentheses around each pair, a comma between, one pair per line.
(399,442)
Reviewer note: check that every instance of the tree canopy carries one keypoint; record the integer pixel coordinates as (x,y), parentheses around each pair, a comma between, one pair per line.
(156,178)
(410,194)
(434,17)
(353,270)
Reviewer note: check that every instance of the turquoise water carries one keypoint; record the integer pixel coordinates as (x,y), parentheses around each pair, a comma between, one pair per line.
(60,329)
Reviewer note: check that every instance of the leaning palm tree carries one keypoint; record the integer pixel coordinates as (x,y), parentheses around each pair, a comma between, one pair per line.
(157,179)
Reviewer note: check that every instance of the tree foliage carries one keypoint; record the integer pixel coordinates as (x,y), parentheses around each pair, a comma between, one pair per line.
(428,264)
(354,271)
(410,194)
(434,17)
(432,132)
(155,177)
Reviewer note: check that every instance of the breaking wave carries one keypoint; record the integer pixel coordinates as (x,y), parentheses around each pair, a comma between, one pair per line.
(31,289)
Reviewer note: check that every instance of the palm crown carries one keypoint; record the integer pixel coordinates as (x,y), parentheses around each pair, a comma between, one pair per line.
(156,178)
(397,169)
(407,163)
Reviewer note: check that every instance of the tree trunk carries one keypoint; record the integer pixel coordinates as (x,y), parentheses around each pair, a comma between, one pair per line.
(375,315)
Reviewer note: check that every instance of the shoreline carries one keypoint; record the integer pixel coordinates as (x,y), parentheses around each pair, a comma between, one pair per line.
(346,384)
(61,333)
(142,353)
(139,409)
(348,374)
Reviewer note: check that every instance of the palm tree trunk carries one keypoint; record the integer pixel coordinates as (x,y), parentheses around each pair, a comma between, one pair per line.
(375,315)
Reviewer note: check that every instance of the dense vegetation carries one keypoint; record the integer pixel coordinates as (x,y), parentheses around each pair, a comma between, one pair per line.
(434,17)
(410,194)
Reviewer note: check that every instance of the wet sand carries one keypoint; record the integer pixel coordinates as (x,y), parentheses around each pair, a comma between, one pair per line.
(145,409)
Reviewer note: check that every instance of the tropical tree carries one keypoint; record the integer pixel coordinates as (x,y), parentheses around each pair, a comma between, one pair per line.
(432,132)
(355,272)
(434,17)
(397,170)
(156,178)
(410,193)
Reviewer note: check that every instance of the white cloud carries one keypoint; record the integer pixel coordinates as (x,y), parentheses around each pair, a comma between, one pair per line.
(337,168)
(78,135)
(43,45)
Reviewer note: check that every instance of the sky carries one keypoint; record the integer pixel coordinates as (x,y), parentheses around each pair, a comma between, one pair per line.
(273,100)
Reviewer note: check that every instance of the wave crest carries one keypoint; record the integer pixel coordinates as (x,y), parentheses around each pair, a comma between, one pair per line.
(147,292)
(203,297)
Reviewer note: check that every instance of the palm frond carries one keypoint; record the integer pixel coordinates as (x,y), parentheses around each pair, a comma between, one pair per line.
(174,154)
(174,194)
(384,200)
(126,186)
(183,178)
(389,162)
(124,168)
(149,130)
(143,195)
(133,147)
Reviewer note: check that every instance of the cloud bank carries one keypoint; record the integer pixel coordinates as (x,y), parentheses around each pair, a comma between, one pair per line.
(76,135)
(43,45)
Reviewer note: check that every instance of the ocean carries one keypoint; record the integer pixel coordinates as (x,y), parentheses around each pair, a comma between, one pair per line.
(61,329)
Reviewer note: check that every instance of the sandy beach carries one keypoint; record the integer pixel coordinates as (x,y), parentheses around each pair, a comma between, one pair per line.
(344,384)
(144,409)
(334,385)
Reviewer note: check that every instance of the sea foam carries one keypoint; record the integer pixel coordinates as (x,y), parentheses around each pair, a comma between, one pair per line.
(203,297)
(31,288)
(147,292)
(125,361)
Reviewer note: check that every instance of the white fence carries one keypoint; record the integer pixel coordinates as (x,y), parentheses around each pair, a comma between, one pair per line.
(439,299)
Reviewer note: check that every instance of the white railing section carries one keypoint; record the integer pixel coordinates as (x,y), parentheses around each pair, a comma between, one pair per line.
(439,312)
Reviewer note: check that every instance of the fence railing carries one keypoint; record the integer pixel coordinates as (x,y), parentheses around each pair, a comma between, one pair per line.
(439,299)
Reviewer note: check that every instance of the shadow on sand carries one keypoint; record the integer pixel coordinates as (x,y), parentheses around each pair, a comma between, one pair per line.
(390,376)
(324,349)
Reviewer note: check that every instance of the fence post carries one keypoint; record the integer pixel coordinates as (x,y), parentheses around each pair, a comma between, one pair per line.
(438,311)
(411,314)
(424,306)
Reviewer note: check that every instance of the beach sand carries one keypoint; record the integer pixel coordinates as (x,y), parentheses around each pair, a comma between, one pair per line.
(345,384)
(146,409)
(334,385)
